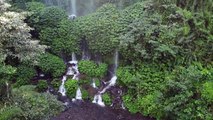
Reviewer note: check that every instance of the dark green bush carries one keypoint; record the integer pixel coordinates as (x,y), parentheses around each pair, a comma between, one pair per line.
(100,29)
(22,4)
(107,99)
(52,64)
(71,87)
(85,94)
(101,70)
(87,67)
(207,91)
(61,39)
(67,41)
(47,35)
(24,74)
(10,113)
(163,94)
(6,74)
(42,85)
(130,103)
(35,6)
(56,83)
(51,16)
(36,106)
(91,69)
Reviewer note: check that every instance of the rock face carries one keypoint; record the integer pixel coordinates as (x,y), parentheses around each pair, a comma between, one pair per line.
(90,111)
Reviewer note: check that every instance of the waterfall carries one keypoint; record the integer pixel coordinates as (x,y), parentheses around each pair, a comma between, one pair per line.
(48,2)
(73,57)
(115,61)
(120,4)
(78,94)
(62,89)
(93,83)
(110,83)
(98,100)
(73,3)
(7,89)
(70,71)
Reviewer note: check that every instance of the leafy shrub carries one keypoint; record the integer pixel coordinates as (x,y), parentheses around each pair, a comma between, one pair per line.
(130,103)
(207,91)
(101,70)
(87,67)
(42,85)
(100,29)
(61,39)
(182,99)
(52,64)
(47,35)
(10,113)
(35,6)
(24,74)
(36,106)
(56,83)
(150,105)
(91,69)
(125,77)
(51,16)
(6,74)
(106,98)
(71,87)
(67,40)
(85,94)
(22,4)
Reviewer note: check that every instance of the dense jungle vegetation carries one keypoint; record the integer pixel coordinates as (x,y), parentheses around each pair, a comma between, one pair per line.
(165,56)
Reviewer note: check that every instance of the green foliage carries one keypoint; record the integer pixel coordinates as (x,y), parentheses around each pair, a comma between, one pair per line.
(35,105)
(157,92)
(47,35)
(91,69)
(207,91)
(62,39)
(87,67)
(10,113)
(16,40)
(71,87)
(52,64)
(52,16)
(85,94)
(6,75)
(56,83)
(106,98)
(101,70)
(130,103)
(24,74)
(35,6)
(149,104)
(100,29)
(42,85)
(125,77)
(22,4)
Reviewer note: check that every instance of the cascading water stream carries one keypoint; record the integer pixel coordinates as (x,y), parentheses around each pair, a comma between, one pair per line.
(73,3)
(98,98)
(116,61)
(78,94)
(112,82)
(62,89)
(7,89)
(73,57)
(93,83)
